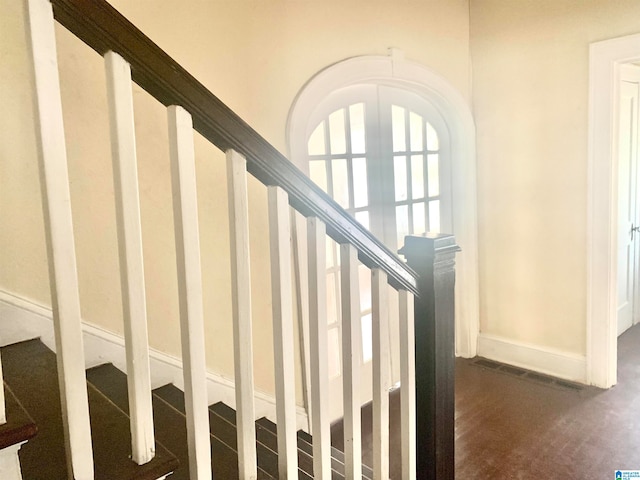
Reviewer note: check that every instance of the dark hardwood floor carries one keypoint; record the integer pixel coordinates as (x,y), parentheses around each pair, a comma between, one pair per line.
(511,425)
(523,428)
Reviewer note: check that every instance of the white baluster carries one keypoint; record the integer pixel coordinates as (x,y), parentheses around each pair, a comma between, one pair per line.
(407,386)
(316,233)
(381,374)
(185,213)
(134,306)
(282,299)
(301,291)
(241,298)
(60,242)
(351,340)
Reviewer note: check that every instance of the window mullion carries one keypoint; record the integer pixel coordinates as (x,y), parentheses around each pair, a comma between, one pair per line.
(375,141)
(425,173)
(328,161)
(407,159)
(349,156)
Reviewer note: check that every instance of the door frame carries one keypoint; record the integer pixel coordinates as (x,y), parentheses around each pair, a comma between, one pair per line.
(629,78)
(605,60)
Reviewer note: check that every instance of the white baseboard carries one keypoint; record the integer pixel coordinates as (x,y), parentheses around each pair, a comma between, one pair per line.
(22,319)
(545,360)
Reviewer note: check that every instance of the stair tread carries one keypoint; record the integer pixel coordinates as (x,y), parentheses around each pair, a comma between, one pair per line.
(31,372)
(266,437)
(266,433)
(305,444)
(169,425)
(169,420)
(19,427)
(223,432)
(225,411)
(112,382)
(172,395)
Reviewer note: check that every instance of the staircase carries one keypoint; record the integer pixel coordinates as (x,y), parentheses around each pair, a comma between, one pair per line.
(102,425)
(18,428)
(30,373)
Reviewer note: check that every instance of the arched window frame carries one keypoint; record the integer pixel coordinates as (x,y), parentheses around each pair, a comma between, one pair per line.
(395,71)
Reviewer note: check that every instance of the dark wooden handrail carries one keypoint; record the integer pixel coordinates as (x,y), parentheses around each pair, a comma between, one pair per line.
(103,28)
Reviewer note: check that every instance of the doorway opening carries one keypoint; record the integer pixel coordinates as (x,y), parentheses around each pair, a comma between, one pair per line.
(382,153)
(373,83)
(610,285)
(628,204)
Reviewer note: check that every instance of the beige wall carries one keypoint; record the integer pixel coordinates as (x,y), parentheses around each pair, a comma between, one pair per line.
(255,56)
(530,80)
(530,67)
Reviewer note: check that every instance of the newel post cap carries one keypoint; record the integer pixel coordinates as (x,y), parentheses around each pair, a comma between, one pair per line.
(428,245)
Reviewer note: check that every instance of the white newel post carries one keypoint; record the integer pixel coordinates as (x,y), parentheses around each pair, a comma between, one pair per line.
(125,178)
(241,300)
(351,354)
(407,386)
(283,337)
(316,232)
(381,374)
(60,242)
(185,213)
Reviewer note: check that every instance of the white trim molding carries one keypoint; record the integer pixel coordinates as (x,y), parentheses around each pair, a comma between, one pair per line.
(605,59)
(22,319)
(557,363)
(395,71)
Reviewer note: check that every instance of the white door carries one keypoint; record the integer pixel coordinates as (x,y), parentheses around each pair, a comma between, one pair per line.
(628,211)
(381,154)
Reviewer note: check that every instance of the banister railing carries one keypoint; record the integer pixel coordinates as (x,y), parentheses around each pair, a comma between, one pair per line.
(104,29)
(426,324)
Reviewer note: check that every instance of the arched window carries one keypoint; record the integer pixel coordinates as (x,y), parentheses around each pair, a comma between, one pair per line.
(382,154)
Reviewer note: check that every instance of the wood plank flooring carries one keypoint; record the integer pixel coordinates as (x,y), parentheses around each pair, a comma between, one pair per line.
(509,427)
(514,426)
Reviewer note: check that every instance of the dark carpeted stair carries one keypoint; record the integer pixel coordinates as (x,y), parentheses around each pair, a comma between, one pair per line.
(305,445)
(30,372)
(170,427)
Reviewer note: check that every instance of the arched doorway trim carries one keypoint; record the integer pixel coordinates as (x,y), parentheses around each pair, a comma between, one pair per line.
(395,71)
